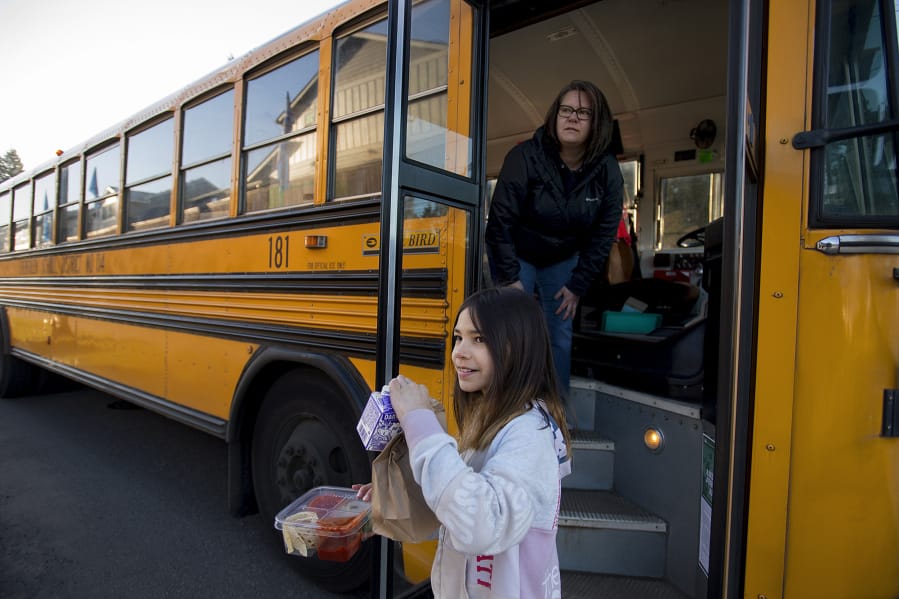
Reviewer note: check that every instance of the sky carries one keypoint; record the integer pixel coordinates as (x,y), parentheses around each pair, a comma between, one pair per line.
(72,68)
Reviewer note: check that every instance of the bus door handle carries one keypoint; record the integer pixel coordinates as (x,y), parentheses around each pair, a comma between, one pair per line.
(890,427)
(859,244)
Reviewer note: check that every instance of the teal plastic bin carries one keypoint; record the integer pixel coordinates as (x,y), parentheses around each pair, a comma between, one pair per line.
(638,323)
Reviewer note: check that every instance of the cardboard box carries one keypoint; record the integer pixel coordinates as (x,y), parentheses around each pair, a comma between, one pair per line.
(378,424)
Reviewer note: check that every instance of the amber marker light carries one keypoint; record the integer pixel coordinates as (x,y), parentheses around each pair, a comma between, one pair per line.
(316,241)
(653,439)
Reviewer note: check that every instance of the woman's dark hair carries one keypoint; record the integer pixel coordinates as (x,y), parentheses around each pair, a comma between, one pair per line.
(514,329)
(600,125)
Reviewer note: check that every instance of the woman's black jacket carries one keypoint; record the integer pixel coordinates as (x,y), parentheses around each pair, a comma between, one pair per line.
(531,217)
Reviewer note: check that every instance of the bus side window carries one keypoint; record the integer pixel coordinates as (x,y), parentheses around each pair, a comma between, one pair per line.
(859,184)
(357,111)
(101,194)
(44,208)
(69,202)
(279,136)
(205,183)
(21,217)
(687,203)
(5,206)
(148,182)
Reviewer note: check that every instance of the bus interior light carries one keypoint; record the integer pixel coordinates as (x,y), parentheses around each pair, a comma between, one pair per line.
(653,439)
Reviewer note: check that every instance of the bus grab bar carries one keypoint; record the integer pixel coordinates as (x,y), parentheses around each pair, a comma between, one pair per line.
(817,138)
(859,244)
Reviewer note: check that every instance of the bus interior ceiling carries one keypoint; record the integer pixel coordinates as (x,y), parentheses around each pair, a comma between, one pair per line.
(662,67)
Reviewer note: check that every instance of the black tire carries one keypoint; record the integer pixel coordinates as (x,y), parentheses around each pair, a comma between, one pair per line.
(305,437)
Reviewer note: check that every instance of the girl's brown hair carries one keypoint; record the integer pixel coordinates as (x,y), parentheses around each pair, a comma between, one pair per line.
(513,327)
(600,125)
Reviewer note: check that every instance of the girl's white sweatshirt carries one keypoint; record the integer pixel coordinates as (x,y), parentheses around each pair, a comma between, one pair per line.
(498,508)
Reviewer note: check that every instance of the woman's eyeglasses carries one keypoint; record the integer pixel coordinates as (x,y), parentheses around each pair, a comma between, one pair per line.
(583,114)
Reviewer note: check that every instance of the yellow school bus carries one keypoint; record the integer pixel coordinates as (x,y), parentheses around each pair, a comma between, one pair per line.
(257,252)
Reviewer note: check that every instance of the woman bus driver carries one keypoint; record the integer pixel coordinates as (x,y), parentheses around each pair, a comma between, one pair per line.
(555,211)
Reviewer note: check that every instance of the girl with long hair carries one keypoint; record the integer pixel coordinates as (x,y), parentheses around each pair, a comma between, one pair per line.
(496,490)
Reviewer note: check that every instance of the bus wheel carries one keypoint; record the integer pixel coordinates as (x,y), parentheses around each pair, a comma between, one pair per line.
(305,437)
(17,377)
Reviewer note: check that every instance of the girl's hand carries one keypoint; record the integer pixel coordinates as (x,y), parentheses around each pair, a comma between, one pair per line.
(363,492)
(406,395)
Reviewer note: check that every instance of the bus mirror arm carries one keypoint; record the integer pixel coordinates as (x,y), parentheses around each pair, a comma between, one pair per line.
(816,138)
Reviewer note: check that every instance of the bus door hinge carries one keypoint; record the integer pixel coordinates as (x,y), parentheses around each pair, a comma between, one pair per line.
(890,413)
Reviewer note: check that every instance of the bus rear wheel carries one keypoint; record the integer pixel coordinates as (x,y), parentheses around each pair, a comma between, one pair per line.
(305,437)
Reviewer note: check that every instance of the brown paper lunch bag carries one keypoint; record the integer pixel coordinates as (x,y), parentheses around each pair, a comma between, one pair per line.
(398,507)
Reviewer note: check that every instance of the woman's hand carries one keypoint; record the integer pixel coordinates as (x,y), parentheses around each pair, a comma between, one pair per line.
(569,303)
(406,395)
(363,492)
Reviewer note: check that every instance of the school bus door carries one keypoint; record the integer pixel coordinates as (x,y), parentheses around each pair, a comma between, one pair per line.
(824,492)
(431,210)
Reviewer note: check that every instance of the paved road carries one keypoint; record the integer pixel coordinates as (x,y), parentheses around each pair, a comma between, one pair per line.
(98,502)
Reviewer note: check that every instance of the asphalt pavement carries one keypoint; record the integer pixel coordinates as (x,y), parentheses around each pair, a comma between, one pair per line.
(98,502)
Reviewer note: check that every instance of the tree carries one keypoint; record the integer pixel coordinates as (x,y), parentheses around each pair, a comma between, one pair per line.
(10,165)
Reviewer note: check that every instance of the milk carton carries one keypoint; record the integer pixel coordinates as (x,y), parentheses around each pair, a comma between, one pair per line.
(378,424)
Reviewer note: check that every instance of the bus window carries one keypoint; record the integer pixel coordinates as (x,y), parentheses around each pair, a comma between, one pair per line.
(279,135)
(357,110)
(687,203)
(21,217)
(44,207)
(148,183)
(101,194)
(630,170)
(69,201)
(206,159)
(431,137)
(5,206)
(859,174)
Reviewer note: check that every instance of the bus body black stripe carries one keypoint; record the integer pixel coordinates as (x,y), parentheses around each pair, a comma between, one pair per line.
(418,351)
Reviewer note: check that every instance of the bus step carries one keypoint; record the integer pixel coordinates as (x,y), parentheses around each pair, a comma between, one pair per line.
(593,462)
(602,532)
(580,407)
(584,585)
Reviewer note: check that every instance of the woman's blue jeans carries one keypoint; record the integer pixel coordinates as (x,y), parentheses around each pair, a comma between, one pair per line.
(546,282)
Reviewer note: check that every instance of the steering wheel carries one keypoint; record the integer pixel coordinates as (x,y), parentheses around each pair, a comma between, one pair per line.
(693,239)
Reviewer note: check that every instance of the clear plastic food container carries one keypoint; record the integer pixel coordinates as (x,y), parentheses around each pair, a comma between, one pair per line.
(327,523)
